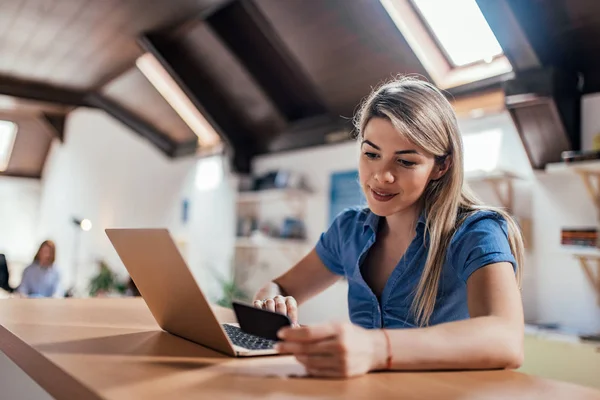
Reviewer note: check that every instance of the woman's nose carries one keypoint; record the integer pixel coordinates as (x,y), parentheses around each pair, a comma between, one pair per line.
(385,176)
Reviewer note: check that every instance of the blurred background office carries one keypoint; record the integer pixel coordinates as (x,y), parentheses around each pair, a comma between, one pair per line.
(229,123)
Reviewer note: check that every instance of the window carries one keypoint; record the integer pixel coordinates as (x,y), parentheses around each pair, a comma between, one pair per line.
(482,151)
(452,39)
(466,37)
(8,132)
(209,173)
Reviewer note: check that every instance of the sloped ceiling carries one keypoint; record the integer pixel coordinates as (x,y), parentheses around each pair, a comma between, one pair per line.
(270,75)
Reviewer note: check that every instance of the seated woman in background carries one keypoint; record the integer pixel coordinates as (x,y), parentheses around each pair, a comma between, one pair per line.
(41,278)
(433,275)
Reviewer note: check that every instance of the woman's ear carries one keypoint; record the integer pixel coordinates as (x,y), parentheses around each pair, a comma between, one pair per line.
(440,168)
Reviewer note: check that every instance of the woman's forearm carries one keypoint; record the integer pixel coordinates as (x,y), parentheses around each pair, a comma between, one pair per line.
(487,342)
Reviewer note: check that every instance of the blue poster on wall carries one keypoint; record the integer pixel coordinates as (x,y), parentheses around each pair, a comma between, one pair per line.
(345,192)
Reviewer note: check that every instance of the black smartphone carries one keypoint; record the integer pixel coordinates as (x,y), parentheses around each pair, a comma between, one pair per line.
(256,321)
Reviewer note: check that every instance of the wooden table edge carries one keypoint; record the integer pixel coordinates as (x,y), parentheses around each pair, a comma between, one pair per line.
(53,379)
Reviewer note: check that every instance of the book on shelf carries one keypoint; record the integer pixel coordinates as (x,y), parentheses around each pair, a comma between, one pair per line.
(586,237)
(580,155)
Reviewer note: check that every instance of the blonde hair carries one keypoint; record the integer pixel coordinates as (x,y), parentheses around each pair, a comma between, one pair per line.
(423,115)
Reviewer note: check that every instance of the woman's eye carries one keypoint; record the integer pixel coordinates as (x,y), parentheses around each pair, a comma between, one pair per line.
(405,163)
(371,156)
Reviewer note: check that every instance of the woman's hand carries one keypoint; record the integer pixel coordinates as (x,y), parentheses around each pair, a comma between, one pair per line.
(283,305)
(338,350)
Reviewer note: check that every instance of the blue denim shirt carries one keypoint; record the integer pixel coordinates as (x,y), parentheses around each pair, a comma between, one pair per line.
(481,239)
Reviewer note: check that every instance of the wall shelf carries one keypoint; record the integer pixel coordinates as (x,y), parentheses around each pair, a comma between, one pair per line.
(494,175)
(573,167)
(589,171)
(580,251)
(501,182)
(589,259)
(259,196)
(270,243)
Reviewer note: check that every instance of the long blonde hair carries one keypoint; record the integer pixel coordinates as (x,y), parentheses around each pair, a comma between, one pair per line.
(423,115)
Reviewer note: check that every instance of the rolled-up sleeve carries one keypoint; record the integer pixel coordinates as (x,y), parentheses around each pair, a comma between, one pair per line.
(483,241)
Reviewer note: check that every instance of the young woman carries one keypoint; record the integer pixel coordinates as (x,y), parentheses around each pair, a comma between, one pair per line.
(41,278)
(425,255)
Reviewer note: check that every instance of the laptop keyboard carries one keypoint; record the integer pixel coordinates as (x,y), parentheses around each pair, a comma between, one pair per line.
(246,340)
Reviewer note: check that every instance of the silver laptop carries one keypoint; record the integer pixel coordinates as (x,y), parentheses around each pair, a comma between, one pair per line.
(173,296)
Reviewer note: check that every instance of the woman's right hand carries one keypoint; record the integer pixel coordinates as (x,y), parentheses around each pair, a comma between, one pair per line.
(284,305)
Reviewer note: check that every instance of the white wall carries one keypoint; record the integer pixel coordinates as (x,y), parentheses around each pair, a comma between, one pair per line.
(512,154)
(19,213)
(207,239)
(554,288)
(105,172)
(590,120)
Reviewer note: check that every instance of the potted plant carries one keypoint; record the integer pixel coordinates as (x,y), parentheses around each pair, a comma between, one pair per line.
(105,282)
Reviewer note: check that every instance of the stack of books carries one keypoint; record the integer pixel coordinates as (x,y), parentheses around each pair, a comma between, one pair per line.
(575,156)
(587,237)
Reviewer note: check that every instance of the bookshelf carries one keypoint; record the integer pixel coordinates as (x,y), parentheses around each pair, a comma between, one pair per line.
(270,206)
(588,257)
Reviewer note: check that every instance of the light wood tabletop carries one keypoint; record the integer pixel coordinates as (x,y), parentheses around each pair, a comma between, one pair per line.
(113,349)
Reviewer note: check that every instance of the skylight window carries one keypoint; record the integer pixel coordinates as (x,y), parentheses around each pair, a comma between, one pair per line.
(460,29)
(451,39)
(8,132)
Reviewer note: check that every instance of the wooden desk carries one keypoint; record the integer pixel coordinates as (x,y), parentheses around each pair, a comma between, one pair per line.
(113,349)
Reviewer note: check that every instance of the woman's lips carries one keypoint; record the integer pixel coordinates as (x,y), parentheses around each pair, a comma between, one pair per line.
(381,195)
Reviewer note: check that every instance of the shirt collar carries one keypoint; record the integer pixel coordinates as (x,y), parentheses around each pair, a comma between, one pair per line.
(372,221)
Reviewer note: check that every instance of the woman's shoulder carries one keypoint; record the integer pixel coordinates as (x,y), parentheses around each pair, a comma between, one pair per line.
(471,217)
(482,221)
(29,267)
(353,215)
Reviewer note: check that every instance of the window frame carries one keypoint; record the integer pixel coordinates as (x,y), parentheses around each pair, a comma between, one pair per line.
(433,56)
(15,128)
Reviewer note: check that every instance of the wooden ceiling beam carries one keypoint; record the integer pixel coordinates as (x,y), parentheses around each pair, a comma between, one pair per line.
(509,33)
(478,105)
(21,175)
(206,96)
(42,92)
(314,131)
(56,123)
(263,54)
(159,139)
(187,148)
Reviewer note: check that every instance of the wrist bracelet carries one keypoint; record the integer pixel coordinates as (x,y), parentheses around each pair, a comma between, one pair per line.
(388,361)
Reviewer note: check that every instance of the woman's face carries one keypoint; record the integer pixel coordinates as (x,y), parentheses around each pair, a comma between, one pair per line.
(393,171)
(45,255)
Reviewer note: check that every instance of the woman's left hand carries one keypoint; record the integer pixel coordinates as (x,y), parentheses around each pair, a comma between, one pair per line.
(339,350)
